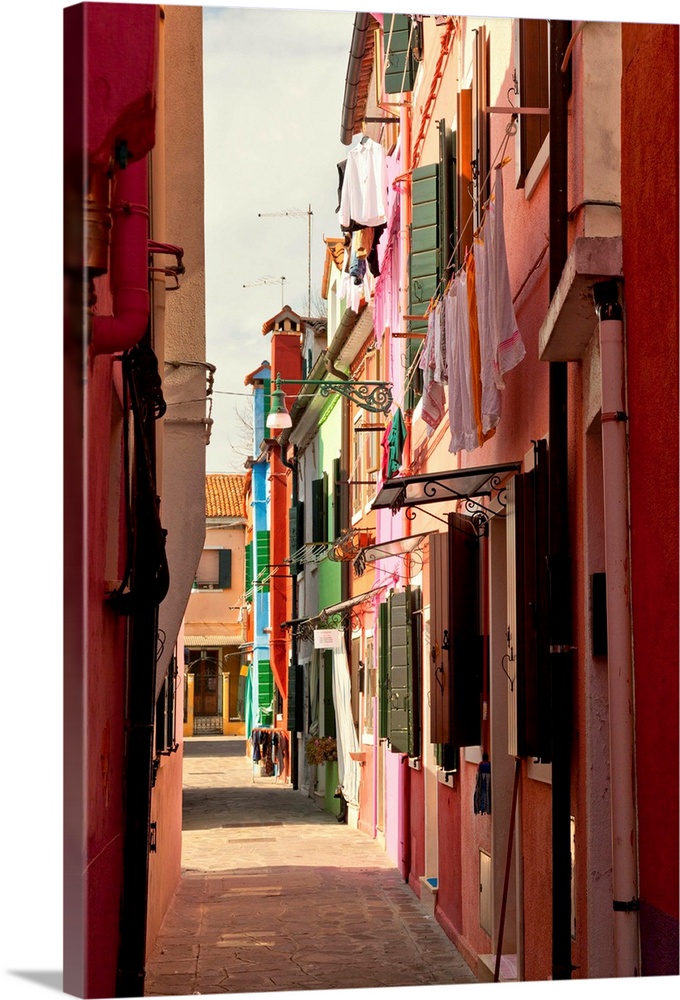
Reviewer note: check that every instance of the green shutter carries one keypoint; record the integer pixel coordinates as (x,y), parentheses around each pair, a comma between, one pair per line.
(225,569)
(249,567)
(401,687)
(262,543)
(424,262)
(328,704)
(383,669)
(396,39)
(320,509)
(296,536)
(294,720)
(265,686)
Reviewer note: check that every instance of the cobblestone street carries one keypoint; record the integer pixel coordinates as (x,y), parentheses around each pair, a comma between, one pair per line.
(275,895)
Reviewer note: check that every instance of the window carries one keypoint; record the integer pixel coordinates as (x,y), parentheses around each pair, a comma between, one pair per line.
(320,509)
(296,532)
(165,740)
(214,570)
(466,643)
(532,81)
(528,586)
(400,666)
(401,39)
(369,680)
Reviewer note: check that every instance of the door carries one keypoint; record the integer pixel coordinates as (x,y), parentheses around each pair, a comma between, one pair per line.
(206,682)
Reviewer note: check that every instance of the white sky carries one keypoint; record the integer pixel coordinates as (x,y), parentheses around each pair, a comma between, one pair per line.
(31,64)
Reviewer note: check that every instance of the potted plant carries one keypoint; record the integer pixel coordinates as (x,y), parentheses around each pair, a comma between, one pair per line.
(320,749)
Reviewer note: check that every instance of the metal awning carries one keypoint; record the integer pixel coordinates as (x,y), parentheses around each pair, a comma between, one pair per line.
(393,547)
(330,615)
(439,487)
(351,602)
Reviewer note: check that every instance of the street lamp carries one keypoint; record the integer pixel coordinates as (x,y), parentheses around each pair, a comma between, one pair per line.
(373,396)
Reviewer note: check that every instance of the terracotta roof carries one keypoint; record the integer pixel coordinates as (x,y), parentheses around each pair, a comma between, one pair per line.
(263,372)
(224,495)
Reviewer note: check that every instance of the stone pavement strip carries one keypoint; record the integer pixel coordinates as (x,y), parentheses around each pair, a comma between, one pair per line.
(276,895)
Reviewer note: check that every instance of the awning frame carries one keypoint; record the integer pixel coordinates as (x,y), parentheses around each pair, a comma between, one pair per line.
(470,486)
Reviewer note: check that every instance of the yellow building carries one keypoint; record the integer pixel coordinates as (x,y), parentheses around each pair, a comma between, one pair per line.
(216,616)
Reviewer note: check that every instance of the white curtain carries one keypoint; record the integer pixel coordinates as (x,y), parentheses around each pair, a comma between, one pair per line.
(346,734)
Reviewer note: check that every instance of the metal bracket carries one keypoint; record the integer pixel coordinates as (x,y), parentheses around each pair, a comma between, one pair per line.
(152,838)
(632,906)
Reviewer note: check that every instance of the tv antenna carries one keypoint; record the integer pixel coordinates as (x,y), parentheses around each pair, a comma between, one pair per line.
(299,213)
(268,280)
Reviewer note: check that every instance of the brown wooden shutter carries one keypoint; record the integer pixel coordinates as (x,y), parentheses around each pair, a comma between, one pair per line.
(464,157)
(531,55)
(440,677)
(466,652)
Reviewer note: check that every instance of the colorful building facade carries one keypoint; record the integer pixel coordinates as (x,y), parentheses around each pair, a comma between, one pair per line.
(134,456)
(501,597)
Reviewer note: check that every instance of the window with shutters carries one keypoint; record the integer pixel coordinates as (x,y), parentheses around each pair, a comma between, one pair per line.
(528,634)
(369,684)
(214,570)
(532,83)
(329,726)
(383,668)
(165,728)
(296,532)
(265,690)
(433,242)
(262,560)
(405,656)
(466,641)
(402,39)
(320,509)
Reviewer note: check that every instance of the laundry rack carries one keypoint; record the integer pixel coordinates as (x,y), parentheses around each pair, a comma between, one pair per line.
(259,761)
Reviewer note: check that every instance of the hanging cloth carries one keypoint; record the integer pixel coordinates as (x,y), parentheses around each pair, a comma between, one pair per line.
(394,440)
(475,351)
(462,423)
(363,199)
(502,344)
(433,391)
(482,797)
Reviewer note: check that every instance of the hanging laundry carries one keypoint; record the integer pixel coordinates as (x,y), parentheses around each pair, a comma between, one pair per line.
(441,366)
(434,397)
(363,199)
(393,440)
(502,343)
(462,423)
(482,796)
(475,353)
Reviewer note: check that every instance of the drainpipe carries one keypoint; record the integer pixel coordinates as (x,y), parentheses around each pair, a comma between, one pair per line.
(559,560)
(129,264)
(619,630)
(353,75)
(292,464)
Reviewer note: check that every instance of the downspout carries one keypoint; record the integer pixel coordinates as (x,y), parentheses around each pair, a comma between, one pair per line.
(292,464)
(129,264)
(619,631)
(559,560)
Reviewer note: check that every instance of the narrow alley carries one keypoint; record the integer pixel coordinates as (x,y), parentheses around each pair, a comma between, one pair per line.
(276,895)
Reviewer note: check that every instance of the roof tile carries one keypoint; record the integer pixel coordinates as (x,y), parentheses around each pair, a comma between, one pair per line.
(224,495)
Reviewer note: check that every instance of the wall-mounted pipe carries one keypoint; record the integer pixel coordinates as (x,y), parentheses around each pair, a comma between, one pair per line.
(128,322)
(619,631)
(559,558)
(353,75)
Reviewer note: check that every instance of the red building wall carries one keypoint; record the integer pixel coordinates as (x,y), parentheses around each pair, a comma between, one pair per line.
(649,196)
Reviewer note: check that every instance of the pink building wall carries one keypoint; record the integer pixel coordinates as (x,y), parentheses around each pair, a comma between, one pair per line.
(651,301)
